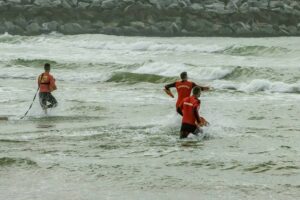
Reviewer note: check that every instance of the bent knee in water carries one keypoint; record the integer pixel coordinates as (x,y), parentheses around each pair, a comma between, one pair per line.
(54,105)
(184,134)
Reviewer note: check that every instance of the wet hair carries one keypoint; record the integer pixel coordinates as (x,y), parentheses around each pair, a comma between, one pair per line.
(196,90)
(47,67)
(183,75)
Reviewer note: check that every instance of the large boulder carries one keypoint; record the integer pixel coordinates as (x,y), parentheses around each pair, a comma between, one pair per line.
(47,3)
(241,29)
(15,1)
(162,4)
(71,28)
(25,2)
(283,29)
(276,4)
(111,30)
(244,8)
(138,24)
(109,4)
(153,30)
(184,3)
(292,30)
(198,24)
(50,26)
(21,21)
(74,3)
(216,7)
(33,29)
(66,4)
(138,7)
(223,30)
(98,24)
(96,3)
(167,28)
(196,8)
(295,5)
(262,4)
(263,30)
(254,10)
(233,5)
(129,30)
(13,29)
(83,5)
(175,28)
(2,28)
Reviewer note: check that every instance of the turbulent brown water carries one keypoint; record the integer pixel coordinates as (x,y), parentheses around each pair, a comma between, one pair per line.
(115,133)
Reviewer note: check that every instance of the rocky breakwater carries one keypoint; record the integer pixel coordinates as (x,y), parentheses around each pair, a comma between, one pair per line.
(152,17)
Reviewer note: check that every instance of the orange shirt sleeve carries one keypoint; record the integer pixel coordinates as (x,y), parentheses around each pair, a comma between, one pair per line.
(196,108)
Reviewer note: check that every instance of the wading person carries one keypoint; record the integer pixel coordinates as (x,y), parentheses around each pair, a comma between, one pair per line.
(46,84)
(191,121)
(184,88)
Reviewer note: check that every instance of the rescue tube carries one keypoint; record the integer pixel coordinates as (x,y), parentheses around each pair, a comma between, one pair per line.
(203,122)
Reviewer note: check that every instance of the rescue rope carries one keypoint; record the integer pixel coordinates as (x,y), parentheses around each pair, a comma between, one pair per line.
(33,98)
(31,104)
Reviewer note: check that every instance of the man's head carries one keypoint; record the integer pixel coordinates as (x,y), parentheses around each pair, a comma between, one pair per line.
(197,91)
(184,76)
(47,67)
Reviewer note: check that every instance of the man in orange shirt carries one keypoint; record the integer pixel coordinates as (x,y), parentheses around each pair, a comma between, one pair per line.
(46,83)
(191,121)
(184,88)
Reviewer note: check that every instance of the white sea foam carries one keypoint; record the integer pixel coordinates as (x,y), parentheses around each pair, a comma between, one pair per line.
(222,84)
(258,85)
(174,69)
(31,73)
(150,46)
(18,72)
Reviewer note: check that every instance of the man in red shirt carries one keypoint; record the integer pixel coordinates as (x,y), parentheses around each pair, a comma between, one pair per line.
(46,83)
(184,88)
(190,116)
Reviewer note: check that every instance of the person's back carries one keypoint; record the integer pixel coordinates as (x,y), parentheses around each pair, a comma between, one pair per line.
(183,87)
(46,82)
(189,107)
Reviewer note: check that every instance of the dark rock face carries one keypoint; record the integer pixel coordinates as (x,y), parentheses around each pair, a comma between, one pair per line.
(152,17)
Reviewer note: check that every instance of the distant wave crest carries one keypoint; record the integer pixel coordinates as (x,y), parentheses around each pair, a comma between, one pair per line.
(259,85)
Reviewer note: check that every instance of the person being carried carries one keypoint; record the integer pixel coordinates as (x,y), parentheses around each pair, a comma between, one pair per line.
(191,121)
(46,84)
(183,87)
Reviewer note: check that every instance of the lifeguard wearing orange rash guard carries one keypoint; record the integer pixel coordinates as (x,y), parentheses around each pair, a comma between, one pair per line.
(191,119)
(184,88)
(47,85)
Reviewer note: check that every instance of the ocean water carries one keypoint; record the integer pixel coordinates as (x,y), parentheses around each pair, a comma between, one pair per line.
(115,134)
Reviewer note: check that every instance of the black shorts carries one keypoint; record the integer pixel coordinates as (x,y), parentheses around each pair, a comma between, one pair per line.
(46,97)
(189,128)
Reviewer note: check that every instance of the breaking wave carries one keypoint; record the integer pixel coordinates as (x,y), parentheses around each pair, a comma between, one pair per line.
(254,50)
(136,78)
(151,46)
(258,85)
(8,161)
